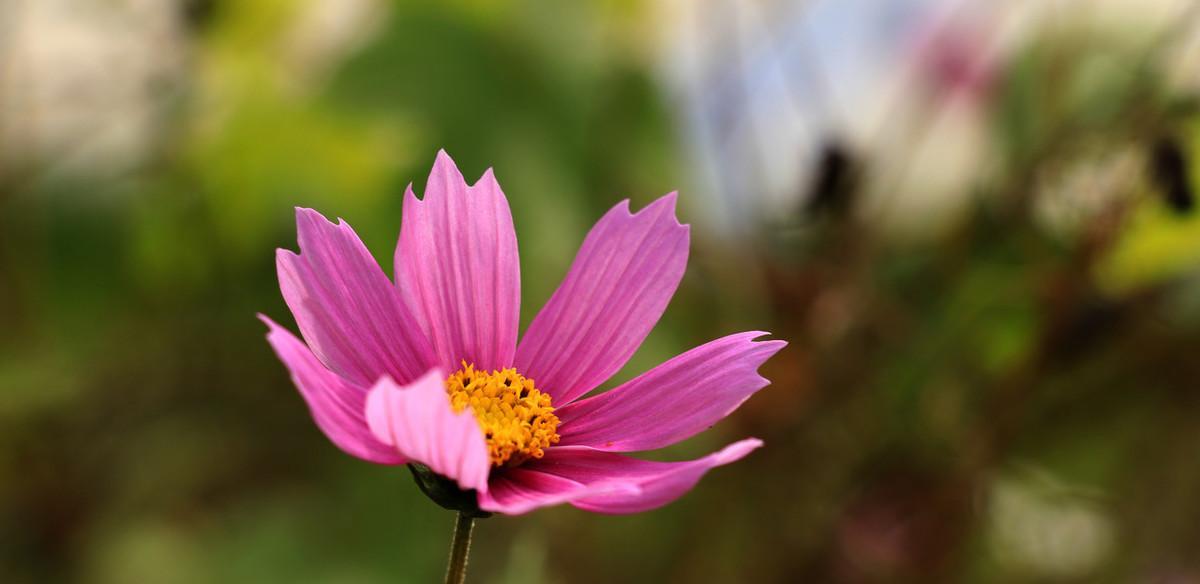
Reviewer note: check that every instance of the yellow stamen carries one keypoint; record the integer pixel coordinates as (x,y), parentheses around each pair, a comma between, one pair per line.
(517,419)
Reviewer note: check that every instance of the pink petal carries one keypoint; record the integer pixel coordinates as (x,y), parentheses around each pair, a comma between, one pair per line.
(673,401)
(347,310)
(623,276)
(659,483)
(457,265)
(518,490)
(418,421)
(336,404)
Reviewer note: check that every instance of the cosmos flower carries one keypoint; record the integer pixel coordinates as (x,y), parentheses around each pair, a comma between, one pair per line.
(427,370)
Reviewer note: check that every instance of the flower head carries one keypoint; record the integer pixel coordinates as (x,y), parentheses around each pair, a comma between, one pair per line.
(427,369)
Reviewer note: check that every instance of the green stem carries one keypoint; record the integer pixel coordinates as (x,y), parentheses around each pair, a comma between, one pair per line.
(460,546)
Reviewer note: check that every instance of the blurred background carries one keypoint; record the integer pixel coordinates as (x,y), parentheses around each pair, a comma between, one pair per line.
(974,221)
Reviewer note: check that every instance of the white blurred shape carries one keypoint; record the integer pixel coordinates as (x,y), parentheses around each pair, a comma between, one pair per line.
(905,85)
(763,86)
(1069,200)
(326,32)
(1040,528)
(83,83)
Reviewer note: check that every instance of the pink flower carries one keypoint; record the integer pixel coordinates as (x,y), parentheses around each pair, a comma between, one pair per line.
(428,370)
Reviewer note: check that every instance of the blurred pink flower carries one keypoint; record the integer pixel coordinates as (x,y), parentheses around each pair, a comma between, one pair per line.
(428,370)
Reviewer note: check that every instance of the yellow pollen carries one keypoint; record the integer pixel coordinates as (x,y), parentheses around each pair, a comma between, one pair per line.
(517,419)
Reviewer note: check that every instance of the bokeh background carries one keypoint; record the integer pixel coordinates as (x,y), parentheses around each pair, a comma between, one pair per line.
(974,221)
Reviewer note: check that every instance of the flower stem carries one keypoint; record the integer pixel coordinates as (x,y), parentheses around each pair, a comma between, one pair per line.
(460,546)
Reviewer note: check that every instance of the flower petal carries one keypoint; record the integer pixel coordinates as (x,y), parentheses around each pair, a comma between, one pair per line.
(457,266)
(619,284)
(520,490)
(658,483)
(347,310)
(336,404)
(673,401)
(418,421)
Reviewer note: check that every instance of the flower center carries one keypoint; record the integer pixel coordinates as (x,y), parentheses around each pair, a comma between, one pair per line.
(517,419)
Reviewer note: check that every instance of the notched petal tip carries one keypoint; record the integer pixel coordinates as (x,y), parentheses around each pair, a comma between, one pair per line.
(308,214)
(345,306)
(656,211)
(456,264)
(275,331)
(631,260)
(488,187)
(309,222)
(283,253)
(444,163)
(624,207)
(667,205)
(670,200)
(756,337)
(444,176)
(311,226)
(409,201)
(662,206)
